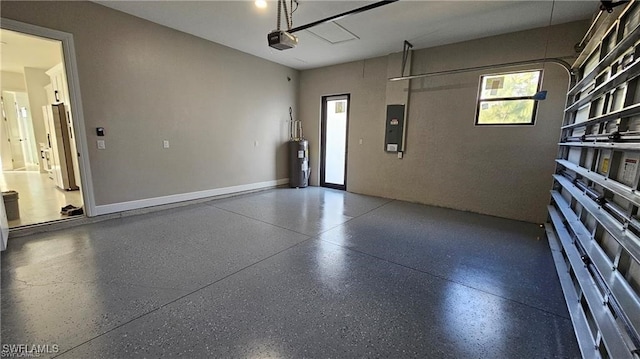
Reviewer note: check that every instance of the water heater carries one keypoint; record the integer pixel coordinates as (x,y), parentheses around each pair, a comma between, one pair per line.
(299,163)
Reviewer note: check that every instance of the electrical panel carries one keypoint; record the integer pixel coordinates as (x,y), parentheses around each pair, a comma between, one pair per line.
(394,131)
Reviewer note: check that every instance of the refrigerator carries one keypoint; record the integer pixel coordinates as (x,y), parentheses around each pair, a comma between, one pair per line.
(59,140)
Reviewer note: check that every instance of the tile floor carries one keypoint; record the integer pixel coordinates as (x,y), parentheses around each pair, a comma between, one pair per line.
(289,273)
(39,199)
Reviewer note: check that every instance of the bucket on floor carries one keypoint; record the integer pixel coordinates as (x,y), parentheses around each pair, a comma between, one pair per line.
(10,199)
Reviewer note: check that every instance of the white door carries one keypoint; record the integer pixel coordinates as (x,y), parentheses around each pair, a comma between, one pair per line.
(25,122)
(335,117)
(10,113)
(5,145)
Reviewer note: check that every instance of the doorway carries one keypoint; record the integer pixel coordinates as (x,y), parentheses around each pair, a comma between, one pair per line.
(39,152)
(334,140)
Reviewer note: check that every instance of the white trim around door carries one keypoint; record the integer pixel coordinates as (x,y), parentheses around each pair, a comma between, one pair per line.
(73,83)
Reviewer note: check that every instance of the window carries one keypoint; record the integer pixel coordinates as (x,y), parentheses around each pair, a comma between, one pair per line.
(507,99)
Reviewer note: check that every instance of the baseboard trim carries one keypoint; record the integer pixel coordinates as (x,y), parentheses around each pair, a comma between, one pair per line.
(183,197)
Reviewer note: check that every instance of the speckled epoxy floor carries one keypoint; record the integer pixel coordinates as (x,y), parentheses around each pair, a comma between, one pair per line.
(289,273)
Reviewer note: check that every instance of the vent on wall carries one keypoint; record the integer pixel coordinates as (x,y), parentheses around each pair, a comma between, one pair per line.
(333,33)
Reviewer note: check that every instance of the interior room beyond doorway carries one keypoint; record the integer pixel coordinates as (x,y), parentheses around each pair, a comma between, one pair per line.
(38,152)
(39,201)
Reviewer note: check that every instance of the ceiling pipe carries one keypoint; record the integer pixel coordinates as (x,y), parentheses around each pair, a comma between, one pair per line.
(342,15)
(565,65)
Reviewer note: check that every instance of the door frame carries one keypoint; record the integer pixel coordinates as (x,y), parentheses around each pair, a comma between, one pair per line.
(323,140)
(73,84)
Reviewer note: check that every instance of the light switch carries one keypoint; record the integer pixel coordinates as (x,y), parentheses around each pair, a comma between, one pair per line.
(165,143)
(101,145)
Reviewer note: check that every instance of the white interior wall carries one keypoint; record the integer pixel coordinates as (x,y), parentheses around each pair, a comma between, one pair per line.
(12,81)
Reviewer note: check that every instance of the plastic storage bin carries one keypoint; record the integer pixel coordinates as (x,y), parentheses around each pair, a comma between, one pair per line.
(10,199)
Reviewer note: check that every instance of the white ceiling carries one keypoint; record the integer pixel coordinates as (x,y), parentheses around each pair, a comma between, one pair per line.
(241,25)
(18,51)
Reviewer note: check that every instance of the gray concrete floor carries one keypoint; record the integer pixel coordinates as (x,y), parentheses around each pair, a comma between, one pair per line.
(289,273)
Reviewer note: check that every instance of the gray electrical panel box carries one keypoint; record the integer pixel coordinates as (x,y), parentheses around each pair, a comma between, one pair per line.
(394,128)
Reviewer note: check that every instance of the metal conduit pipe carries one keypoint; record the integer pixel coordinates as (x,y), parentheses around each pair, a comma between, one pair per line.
(565,65)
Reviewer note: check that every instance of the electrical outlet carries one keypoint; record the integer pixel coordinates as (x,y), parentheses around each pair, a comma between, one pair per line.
(101,145)
(165,144)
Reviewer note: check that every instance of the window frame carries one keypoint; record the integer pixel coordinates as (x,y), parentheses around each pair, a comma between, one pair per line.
(534,112)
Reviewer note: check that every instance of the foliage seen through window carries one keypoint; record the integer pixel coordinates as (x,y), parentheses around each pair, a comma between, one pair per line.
(505,99)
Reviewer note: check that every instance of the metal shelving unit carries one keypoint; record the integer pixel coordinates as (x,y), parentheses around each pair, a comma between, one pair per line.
(594,216)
